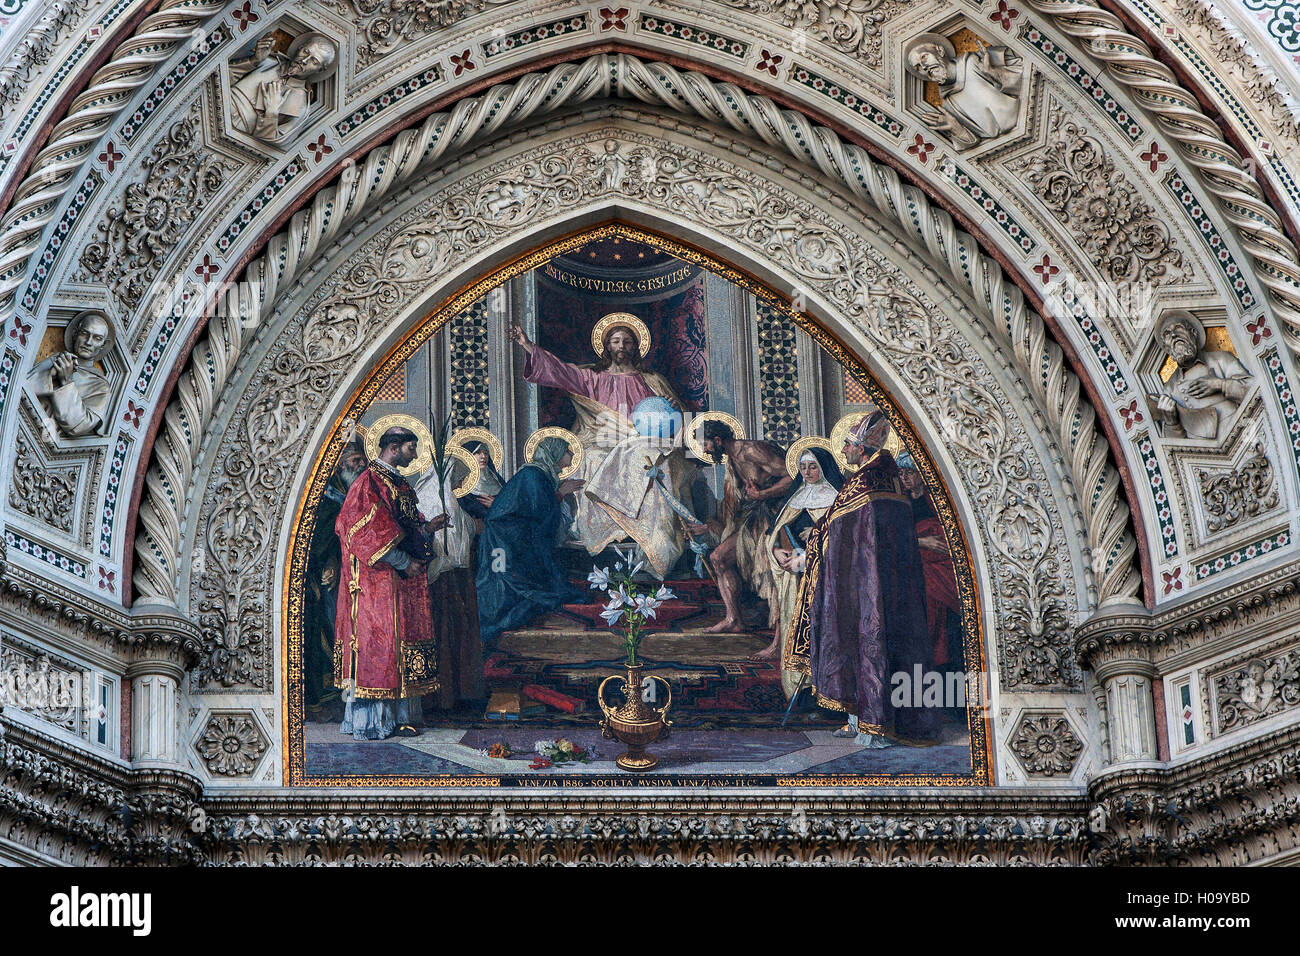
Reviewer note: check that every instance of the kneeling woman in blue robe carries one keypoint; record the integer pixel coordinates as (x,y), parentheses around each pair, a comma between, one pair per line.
(519,577)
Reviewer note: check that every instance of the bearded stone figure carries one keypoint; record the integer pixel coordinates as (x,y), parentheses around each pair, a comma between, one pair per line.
(1205,388)
(68,385)
(272,91)
(980,92)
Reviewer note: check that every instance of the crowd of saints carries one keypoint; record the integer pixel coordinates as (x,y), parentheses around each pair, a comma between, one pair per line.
(423,558)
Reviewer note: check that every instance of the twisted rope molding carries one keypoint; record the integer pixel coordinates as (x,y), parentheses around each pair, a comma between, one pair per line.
(73,139)
(1128,59)
(412,151)
(1198,139)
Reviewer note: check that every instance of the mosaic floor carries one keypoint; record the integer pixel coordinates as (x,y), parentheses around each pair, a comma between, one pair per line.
(461,751)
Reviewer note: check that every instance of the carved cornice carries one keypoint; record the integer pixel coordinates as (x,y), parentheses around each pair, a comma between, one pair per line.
(1264,596)
(68,805)
(146,635)
(1234,807)
(785,828)
(1155,637)
(1239,805)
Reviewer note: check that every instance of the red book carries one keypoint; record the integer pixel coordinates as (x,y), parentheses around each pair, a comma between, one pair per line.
(553,698)
(492,668)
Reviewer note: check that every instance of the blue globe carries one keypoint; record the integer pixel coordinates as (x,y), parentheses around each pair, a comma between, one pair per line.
(655,417)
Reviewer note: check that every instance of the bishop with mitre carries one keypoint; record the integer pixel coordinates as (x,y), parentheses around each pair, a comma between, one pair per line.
(860,613)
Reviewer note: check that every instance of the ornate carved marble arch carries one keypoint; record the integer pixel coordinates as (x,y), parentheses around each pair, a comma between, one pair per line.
(434,236)
(1118,115)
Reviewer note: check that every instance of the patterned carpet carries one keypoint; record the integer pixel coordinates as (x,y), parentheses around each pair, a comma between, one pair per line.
(714,684)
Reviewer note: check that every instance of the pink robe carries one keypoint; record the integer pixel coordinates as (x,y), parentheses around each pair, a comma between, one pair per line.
(619,391)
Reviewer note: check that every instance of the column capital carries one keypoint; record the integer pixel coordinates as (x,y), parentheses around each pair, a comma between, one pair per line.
(1118,639)
(161,641)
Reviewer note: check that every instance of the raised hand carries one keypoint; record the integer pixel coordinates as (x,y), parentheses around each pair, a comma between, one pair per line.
(265,47)
(65,365)
(520,337)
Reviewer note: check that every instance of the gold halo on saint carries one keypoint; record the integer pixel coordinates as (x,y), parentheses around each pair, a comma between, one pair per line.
(802,445)
(462,435)
(693,433)
(468,459)
(535,439)
(423,447)
(893,441)
(625,319)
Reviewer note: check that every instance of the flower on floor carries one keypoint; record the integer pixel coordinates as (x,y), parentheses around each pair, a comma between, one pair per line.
(501,750)
(559,752)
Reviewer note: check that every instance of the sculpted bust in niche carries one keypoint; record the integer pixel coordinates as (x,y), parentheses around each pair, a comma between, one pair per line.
(1204,389)
(272,91)
(68,385)
(980,91)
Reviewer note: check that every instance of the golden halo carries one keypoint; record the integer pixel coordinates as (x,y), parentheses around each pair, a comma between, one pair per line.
(626,319)
(471,479)
(893,441)
(693,435)
(535,439)
(802,445)
(462,435)
(423,447)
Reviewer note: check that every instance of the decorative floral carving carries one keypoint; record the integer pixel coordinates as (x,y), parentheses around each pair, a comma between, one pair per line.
(384,25)
(1237,62)
(851,26)
(1103,211)
(1232,496)
(136,237)
(48,494)
(1046,744)
(232,744)
(1022,534)
(1258,690)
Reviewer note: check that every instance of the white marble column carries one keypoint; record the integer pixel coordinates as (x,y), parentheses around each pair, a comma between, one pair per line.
(155,714)
(1116,645)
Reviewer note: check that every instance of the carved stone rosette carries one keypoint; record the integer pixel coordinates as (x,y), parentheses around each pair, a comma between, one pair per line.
(1046,744)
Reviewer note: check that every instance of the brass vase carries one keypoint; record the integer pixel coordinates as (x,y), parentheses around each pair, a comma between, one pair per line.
(634,723)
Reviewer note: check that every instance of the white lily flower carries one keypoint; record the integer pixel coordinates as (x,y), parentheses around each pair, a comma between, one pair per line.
(664,593)
(646,605)
(618,598)
(611,614)
(599,578)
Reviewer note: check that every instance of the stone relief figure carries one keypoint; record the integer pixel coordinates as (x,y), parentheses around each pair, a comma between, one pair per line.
(980,91)
(1204,389)
(68,385)
(273,91)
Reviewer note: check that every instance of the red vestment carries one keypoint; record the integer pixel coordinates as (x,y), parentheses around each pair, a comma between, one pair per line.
(940,580)
(384,628)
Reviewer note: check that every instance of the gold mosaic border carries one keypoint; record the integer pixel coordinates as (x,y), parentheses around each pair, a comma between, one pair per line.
(293,709)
